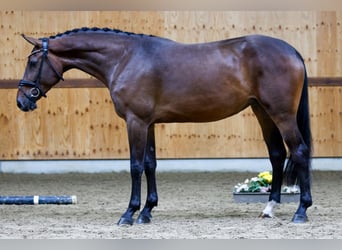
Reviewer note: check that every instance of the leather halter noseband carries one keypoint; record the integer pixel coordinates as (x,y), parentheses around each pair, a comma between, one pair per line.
(36,90)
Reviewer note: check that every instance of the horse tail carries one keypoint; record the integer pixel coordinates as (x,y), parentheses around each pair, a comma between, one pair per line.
(303,122)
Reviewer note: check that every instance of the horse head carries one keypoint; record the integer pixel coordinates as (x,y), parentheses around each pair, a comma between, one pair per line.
(43,70)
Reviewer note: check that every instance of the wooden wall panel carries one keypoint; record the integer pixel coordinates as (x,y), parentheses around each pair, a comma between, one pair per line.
(326,120)
(316,34)
(81,123)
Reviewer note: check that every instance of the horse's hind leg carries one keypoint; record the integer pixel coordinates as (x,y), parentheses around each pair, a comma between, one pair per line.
(300,156)
(277,154)
(150,165)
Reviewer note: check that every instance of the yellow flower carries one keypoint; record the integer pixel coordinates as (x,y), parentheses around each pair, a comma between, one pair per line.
(266,176)
(262,174)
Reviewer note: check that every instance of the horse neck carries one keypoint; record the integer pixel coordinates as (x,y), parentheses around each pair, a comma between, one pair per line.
(96,55)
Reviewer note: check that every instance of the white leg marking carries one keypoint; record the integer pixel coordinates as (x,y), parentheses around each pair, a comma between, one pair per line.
(268,211)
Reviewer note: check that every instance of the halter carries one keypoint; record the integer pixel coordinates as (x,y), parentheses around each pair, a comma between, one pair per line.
(36,90)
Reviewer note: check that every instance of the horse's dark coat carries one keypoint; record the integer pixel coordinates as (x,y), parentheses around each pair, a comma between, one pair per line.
(153,80)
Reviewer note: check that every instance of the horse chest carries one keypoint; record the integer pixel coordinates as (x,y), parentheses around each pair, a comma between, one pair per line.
(128,100)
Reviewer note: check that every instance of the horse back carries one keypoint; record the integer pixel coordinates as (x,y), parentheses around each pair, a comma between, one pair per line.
(174,82)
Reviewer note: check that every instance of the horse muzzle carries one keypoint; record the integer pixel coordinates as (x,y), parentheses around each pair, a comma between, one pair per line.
(25,104)
(27,98)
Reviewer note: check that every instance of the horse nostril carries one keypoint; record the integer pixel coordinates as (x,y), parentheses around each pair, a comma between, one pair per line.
(19,104)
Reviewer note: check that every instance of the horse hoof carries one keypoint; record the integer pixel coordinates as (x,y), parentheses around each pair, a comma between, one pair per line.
(263,215)
(125,221)
(299,218)
(144,219)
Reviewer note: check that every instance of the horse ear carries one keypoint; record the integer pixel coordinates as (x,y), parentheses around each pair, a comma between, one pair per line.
(31,40)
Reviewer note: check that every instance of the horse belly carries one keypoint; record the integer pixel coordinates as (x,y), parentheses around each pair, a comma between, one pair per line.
(201,108)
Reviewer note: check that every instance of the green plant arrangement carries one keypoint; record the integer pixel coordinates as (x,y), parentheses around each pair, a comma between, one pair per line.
(258,188)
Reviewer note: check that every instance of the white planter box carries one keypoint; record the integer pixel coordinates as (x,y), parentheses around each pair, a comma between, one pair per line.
(250,197)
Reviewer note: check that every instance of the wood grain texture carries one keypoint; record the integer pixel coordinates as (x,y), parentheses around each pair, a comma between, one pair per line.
(81,124)
(316,34)
(78,121)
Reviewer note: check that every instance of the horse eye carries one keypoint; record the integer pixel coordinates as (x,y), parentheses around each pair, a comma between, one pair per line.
(32,60)
(33,63)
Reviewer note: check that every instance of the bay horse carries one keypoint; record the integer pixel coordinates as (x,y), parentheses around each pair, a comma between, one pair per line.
(156,80)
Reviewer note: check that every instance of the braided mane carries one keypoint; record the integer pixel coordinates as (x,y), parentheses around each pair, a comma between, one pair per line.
(95,29)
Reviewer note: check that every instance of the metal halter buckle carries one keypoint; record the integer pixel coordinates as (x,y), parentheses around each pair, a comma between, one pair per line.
(35,92)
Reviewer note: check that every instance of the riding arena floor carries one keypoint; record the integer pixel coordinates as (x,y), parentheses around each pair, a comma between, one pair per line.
(192,205)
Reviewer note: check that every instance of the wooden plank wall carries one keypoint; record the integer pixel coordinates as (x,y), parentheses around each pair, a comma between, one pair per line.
(80,123)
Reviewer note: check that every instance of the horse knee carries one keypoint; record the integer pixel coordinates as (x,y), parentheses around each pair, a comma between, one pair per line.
(150,167)
(136,171)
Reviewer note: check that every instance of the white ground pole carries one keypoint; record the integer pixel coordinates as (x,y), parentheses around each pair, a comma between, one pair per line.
(164,165)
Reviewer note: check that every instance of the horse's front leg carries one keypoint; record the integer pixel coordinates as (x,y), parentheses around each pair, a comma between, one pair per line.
(137,137)
(150,165)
